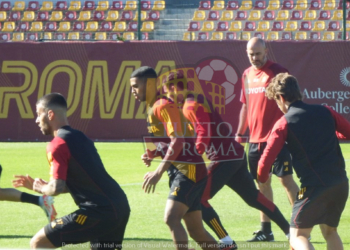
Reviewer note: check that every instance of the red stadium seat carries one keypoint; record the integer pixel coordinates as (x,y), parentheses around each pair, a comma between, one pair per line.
(249,26)
(70,16)
(340,36)
(231,35)
(259,35)
(315,36)
(61,5)
(203,36)
(5,5)
(59,36)
(232,5)
(22,26)
(78,26)
(287,5)
(5,37)
(305,26)
(14,16)
(98,16)
(194,26)
(241,15)
(286,36)
(144,36)
(43,16)
(204,5)
(297,15)
(114,36)
(33,5)
(31,37)
(277,26)
(127,15)
(117,5)
(86,36)
(333,26)
(222,26)
(324,15)
(153,15)
(260,5)
(269,15)
(50,26)
(348,16)
(145,5)
(106,26)
(340,5)
(315,5)
(213,15)
(132,26)
(89,5)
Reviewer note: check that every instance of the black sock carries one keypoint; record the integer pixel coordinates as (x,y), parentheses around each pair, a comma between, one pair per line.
(29,198)
(266,227)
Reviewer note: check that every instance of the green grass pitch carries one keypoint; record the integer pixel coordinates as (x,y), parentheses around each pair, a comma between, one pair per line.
(146,229)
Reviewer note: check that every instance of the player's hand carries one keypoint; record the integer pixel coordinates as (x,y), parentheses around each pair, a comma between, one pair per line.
(150,181)
(146,160)
(38,185)
(238,139)
(23,181)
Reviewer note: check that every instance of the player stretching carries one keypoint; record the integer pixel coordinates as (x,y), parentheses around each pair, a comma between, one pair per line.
(310,131)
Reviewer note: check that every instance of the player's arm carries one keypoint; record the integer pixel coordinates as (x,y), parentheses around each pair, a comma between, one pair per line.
(52,188)
(342,125)
(243,122)
(274,145)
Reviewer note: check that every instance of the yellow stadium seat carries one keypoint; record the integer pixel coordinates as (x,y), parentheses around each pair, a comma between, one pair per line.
(218,5)
(130,5)
(102,5)
(46,6)
(17,37)
(319,26)
(100,36)
(300,35)
(263,26)
(217,36)
(129,35)
(3,16)
(301,5)
(119,26)
(246,5)
(19,6)
(282,15)
(235,26)
(189,36)
(208,26)
(328,36)
(273,5)
(112,15)
(56,16)
(255,15)
(158,5)
(291,26)
(36,26)
(347,25)
(75,6)
(28,16)
(64,26)
(337,15)
(47,36)
(227,15)
(84,15)
(147,26)
(9,26)
(329,5)
(310,15)
(143,15)
(199,15)
(73,36)
(246,36)
(272,36)
(91,26)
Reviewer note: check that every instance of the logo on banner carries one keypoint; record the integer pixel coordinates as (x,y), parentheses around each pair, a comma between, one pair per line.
(344,77)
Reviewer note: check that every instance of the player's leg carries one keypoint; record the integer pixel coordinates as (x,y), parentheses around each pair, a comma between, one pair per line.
(330,234)
(290,187)
(299,238)
(40,241)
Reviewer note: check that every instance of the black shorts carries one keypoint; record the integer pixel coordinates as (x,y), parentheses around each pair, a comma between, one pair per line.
(184,190)
(319,205)
(282,165)
(96,227)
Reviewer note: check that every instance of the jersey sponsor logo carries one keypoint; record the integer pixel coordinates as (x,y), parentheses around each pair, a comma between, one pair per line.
(301,193)
(81,219)
(257,90)
(56,222)
(177,189)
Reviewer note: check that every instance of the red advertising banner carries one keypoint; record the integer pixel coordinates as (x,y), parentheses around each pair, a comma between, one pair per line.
(94,77)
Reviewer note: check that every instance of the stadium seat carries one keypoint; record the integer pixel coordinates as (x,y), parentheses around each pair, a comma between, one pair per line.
(249,26)
(282,15)
(64,26)
(213,15)
(337,15)
(113,36)
(158,5)
(222,26)
(188,36)
(144,15)
(246,5)
(194,26)
(59,36)
(5,6)
(319,26)
(301,5)
(260,5)
(91,26)
(263,26)
(36,27)
(50,26)
(260,35)
(144,36)
(89,5)
(102,5)
(28,16)
(348,16)
(300,35)
(119,26)
(46,6)
(269,15)
(273,5)
(14,16)
(287,5)
(198,15)
(340,5)
(152,15)
(347,25)
(286,36)
(33,6)
(75,6)
(47,36)
(8,26)
(231,35)
(218,5)
(208,26)
(145,5)
(329,5)
(3,16)
(22,26)
(19,6)
(100,36)
(328,36)
(305,26)
(56,16)
(291,26)
(70,16)
(130,5)
(132,26)
(227,15)
(315,5)
(310,15)
(98,16)
(254,15)
(73,36)
(315,36)
(129,36)
(203,36)
(78,26)
(106,26)
(241,15)
(324,15)
(30,37)
(43,16)
(245,36)
(333,26)
(61,6)
(297,15)
(84,15)
(5,36)
(87,36)
(18,37)
(217,36)
(277,26)
(340,36)
(232,5)
(235,26)
(204,5)
(112,15)
(272,36)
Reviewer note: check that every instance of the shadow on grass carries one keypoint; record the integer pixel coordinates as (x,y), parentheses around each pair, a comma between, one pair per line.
(16,236)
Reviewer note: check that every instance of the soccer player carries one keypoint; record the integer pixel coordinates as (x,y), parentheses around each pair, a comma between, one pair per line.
(187,172)
(260,114)
(76,167)
(311,135)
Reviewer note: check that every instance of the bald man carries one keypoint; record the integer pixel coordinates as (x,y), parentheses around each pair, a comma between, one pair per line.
(260,114)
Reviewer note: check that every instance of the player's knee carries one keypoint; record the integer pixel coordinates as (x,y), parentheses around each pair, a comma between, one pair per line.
(172,220)
(288,181)
(328,231)
(34,243)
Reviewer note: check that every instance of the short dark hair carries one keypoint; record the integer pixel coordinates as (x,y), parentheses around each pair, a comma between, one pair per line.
(284,85)
(144,73)
(53,100)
